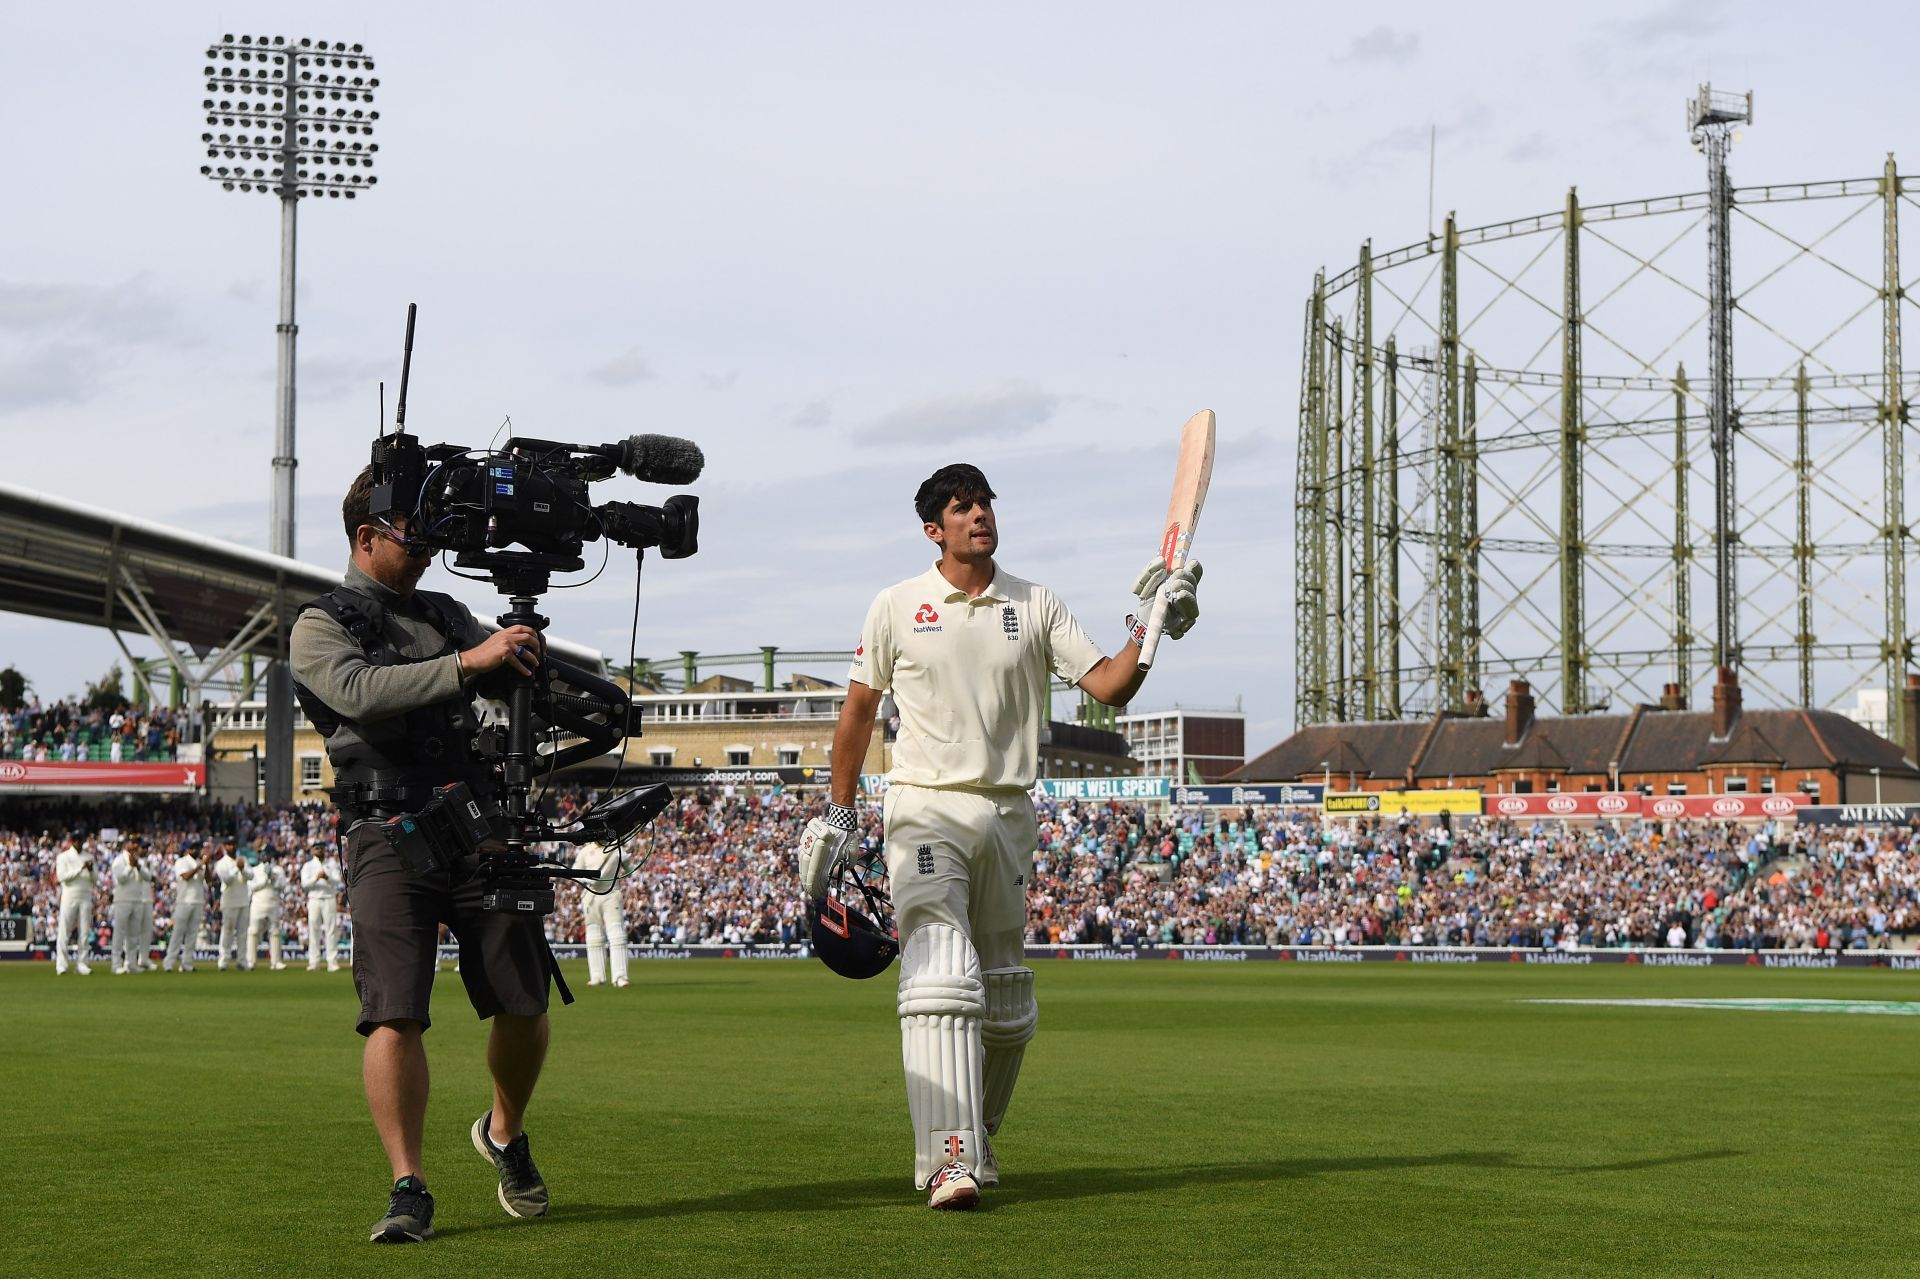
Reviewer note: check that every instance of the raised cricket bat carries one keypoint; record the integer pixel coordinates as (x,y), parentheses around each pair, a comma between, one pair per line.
(1190,479)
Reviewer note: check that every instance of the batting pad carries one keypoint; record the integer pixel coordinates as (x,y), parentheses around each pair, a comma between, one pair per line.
(1011,1017)
(942,1001)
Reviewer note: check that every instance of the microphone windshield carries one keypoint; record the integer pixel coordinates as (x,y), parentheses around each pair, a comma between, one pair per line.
(662,459)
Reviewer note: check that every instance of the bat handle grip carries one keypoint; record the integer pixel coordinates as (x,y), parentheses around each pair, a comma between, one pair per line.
(1156,623)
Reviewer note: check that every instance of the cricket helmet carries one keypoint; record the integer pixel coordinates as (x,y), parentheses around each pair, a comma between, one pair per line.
(851,924)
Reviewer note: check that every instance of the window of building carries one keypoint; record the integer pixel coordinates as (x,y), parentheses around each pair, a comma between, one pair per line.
(789,756)
(1553,786)
(1766,784)
(1811,788)
(739,756)
(1736,785)
(260,774)
(660,756)
(1676,788)
(309,772)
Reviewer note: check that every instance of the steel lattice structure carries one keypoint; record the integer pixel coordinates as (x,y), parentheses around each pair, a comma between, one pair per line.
(1505,468)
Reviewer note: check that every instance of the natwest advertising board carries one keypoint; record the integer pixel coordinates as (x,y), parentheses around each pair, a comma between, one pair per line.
(19,777)
(1726,808)
(1566,804)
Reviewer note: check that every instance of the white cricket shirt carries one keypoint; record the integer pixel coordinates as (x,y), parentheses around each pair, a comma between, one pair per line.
(969,676)
(187,892)
(74,870)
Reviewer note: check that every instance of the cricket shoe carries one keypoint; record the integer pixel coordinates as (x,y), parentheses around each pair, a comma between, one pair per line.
(523,1193)
(987,1170)
(84,970)
(409,1216)
(621,983)
(953,1188)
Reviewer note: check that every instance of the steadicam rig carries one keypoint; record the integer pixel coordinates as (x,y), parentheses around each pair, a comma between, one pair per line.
(518,514)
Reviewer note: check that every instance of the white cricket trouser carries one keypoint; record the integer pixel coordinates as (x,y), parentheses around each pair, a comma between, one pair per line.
(962,858)
(606,934)
(76,921)
(263,917)
(957,864)
(233,935)
(125,950)
(143,932)
(186,933)
(323,929)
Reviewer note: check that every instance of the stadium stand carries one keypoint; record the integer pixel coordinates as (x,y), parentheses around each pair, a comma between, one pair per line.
(718,868)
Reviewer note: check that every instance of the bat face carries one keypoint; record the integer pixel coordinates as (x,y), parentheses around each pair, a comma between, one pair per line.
(1192,474)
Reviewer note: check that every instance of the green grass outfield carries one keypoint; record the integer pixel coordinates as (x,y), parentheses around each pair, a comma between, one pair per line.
(747,1118)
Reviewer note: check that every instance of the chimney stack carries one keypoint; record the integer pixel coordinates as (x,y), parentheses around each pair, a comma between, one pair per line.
(1726,704)
(1671,698)
(1519,710)
(1476,707)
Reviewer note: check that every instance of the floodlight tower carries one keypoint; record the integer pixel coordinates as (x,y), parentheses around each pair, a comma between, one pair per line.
(293,119)
(1711,117)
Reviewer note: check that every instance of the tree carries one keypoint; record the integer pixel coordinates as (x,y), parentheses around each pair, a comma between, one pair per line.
(109,693)
(13,689)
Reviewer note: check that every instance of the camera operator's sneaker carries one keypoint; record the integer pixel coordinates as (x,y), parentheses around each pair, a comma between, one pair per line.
(987,1171)
(953,1188)
(522,1191)
(409,1216)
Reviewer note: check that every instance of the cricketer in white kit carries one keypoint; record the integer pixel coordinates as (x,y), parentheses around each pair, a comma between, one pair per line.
(235,899)
(132,907)
(606,920)
(966,649)
(189,907)
(320,876)
(73,871)
(267,884)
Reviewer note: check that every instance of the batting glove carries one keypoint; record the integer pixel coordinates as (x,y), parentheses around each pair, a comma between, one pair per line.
(824,846)
(1183,609)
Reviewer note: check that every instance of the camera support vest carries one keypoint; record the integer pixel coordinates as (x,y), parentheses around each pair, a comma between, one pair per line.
(435,744)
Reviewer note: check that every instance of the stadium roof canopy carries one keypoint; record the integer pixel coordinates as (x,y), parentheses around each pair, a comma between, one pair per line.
(205,602)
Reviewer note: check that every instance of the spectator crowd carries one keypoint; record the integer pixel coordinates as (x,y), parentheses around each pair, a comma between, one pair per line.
(67,732)
(719,867)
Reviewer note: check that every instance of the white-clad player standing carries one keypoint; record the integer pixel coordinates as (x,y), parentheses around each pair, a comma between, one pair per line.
(606,920)
(235,901)
(320,876)
(268,885)
(73,871)
(966,649)
(132,905)
(189,904)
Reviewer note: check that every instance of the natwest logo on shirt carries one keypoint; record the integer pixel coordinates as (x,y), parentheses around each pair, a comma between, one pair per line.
(926,614)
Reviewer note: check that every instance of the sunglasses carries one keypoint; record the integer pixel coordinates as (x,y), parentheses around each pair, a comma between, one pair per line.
(413,549)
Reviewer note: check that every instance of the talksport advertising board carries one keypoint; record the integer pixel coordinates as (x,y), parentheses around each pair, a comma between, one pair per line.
(1391,803)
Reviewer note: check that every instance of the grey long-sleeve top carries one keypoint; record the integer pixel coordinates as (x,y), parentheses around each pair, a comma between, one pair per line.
(374,699)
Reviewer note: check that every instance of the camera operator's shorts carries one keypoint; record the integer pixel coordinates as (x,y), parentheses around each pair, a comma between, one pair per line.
(504,959)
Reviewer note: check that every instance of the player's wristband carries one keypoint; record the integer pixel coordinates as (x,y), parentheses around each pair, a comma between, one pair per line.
(842,817)
(1136,630)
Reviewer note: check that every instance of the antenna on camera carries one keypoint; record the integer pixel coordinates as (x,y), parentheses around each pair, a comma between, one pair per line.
(380,422)
(406,368)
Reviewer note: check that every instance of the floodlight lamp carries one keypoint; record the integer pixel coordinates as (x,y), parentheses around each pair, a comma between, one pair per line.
(228,37)
(227,185)
(305,43)
(246,39)
(356,48)
(206,170)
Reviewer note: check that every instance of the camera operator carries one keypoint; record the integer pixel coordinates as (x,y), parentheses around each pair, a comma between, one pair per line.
(386,673)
